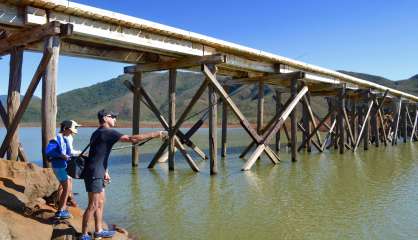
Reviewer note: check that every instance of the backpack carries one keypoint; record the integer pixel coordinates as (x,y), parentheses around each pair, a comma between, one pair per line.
(52,150)
(75,166)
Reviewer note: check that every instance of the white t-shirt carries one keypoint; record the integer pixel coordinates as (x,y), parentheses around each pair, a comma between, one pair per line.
(70,143)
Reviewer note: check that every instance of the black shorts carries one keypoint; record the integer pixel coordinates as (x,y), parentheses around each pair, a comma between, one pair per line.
(94,185)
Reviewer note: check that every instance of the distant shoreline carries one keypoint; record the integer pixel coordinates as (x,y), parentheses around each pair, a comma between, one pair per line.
(125,124)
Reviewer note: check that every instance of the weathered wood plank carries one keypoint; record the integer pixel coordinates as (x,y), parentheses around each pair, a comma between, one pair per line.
(278,109)
(244,122)
(317,129)
(260,106)
(213,119)
(171,117)
(13,98)
(49,96)
(398,107)
(186,62)
(293,127)
(146,99)
(364,125)
(3,116)
(413,131)
(224,126)
(136,113)
(270,78)
(26,99)
(33,34)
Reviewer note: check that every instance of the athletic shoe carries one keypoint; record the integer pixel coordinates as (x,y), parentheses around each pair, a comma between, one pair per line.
(104,234)
(62,214)
(85,237)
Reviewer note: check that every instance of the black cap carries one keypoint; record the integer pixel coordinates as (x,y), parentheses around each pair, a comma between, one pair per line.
(104,112)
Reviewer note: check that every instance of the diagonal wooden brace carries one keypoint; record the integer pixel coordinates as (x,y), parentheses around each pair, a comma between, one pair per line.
(330,132)
(363,125)
(150,104)
(312,117)
(305,132)
(316,129)
(267,136)
(413,132)
(3,116)
(244,122)
(184,138)
(26,99)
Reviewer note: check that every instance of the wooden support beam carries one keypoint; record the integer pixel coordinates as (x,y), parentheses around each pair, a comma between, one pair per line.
(3,116)
(306,133)
(306,122)
(331,104)
(271,78)
(171,117)
(260,106)
(49,96)
(413,131)
(34,34)
(185,62)
(289,108)
(278,110)
(13,98)
(340,119)
(348,125)
(213,120)
(380,116)
(317,129)
(374,127)
(26,99)
(293,127)
(192,102)
(398,107)
(146,99)
(354,121)
(265,129)
(243,121)
(329,134)
(224,125)
(136,112)
(312,117)
(364,126)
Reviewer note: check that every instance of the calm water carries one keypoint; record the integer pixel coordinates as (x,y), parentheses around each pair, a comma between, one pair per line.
(363,195)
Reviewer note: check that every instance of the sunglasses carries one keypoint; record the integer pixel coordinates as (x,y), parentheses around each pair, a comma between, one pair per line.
(111,116)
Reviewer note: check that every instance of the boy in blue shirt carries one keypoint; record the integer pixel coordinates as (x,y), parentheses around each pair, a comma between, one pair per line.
(59,165)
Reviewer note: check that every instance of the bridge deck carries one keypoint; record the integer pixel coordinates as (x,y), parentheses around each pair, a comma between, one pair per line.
(112,36)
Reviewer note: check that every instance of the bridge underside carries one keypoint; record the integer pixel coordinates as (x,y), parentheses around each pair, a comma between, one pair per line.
(359,111)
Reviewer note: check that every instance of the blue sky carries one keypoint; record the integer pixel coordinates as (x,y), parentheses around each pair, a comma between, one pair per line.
(375,37)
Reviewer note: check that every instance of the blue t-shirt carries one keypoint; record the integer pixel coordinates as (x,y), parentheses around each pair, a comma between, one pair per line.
(64,149)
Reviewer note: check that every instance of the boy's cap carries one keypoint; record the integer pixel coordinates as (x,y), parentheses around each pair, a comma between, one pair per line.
(70,124)
(104,112)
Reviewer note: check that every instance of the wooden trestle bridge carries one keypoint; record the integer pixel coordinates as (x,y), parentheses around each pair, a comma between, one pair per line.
(360,112)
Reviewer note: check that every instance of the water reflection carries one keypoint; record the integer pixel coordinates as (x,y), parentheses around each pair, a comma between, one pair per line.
(362,195)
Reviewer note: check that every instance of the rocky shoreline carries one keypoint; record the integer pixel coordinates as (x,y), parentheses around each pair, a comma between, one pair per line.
(27,206)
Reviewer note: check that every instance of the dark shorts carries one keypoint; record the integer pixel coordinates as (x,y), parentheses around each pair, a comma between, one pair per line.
(95,185)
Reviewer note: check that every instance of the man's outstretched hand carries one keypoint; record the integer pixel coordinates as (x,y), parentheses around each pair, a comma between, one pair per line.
(163,135)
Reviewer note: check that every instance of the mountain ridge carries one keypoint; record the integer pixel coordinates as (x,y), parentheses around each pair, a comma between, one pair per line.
(82,104)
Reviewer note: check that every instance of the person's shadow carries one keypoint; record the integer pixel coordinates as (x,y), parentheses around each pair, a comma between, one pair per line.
(13,203)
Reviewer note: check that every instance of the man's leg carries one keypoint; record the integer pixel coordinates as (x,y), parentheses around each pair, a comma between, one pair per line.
(94,199)
(98,215)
